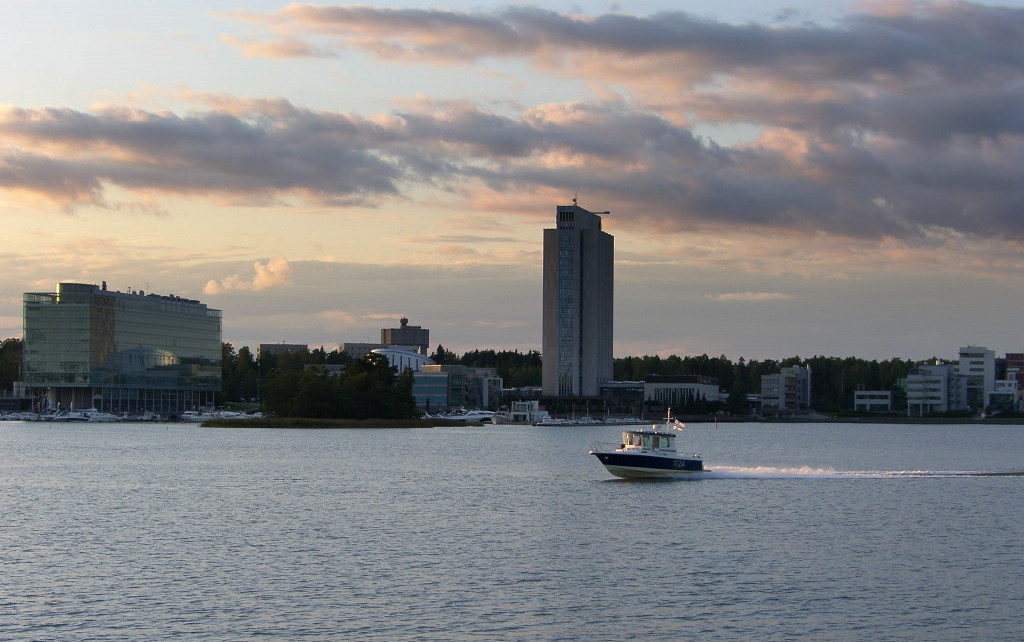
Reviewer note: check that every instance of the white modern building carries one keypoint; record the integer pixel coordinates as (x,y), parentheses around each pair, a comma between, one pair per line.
(935,388)
(977,364)
(680,391)
(401,359)
(1003,397)
(872,400)
(788,391)
(578,287)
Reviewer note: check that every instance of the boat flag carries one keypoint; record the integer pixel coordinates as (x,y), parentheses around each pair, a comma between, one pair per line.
(678,425)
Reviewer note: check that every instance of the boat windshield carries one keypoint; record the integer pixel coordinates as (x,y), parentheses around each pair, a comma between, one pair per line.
(647,441)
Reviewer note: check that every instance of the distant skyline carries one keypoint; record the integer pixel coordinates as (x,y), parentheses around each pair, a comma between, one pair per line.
(791,178)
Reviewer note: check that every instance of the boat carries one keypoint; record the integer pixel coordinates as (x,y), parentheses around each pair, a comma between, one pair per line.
(552,421)
(196,416)
(199,416)
(66,415)
(19,416)
(468,416)
(648,453)
(103,417)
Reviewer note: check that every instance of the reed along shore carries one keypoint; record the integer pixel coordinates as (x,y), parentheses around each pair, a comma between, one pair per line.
(310,422)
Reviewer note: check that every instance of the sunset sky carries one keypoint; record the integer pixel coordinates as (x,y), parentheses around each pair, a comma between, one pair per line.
(784,178)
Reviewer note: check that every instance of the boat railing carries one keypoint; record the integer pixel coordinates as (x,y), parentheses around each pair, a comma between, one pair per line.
(604,446)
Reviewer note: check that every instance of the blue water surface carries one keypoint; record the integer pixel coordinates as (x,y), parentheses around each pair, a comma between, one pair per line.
(800,531)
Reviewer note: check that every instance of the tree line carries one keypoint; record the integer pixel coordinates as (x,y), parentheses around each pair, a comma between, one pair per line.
(248,377)
(304,384)
(518,369)
(833,379)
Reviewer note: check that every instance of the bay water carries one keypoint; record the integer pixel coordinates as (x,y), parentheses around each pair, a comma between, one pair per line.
(799,531)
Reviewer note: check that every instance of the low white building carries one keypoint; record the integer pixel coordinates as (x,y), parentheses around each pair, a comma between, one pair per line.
(1003,397)
(522,412)
(872,401)
(676,391)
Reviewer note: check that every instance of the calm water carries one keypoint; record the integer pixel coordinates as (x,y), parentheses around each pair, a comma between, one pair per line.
(805,531)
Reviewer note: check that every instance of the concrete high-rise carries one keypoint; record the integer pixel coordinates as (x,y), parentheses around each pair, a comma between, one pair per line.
(406,335)
(578,287)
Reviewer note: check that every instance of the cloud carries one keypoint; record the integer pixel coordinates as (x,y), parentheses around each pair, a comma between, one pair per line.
(750,296)
(924,71)
(473,239)
(258,155)
(900,121)
(649,170)
(273,273)
(347,320)
(880,43)
(278,48)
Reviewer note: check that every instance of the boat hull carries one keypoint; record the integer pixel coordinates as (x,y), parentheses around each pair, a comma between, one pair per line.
(630,466)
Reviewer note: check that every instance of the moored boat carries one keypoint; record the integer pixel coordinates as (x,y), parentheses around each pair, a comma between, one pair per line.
(66,415)
(648,452)
(103,417)
(468,416)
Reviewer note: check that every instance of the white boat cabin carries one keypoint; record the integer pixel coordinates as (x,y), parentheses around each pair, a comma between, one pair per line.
(635,440)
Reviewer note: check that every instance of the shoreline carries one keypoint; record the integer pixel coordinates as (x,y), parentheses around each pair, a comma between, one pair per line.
(308,422)
(326,424)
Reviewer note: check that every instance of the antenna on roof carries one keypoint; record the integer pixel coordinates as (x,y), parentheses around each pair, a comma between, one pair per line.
(574,197)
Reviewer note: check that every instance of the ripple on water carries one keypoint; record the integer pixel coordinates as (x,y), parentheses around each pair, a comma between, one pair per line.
(513,535)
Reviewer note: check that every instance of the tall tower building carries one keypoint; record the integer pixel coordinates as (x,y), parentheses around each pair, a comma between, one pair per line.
(578,285)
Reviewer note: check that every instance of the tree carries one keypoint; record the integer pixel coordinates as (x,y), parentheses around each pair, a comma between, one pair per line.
(365,389)
(11,351)
(239,373)
(444,357)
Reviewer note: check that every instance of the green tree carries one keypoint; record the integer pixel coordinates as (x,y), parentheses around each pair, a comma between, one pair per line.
(366,388)
(444,357)
(515,368)
(11,351)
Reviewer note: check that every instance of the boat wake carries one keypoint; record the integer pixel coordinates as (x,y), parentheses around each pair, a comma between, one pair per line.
(770,472)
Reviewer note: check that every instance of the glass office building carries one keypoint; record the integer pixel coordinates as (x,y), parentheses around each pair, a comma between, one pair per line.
(134,353)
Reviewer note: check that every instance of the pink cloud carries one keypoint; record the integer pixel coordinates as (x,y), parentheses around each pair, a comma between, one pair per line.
(275,272)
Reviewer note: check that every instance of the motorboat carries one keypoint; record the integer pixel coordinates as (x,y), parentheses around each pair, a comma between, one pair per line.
(103,417)
(197,416)
(66,415)
(648,452)
(468,416)
(19,416)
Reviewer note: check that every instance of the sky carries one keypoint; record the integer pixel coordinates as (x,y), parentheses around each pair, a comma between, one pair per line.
(783,178)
